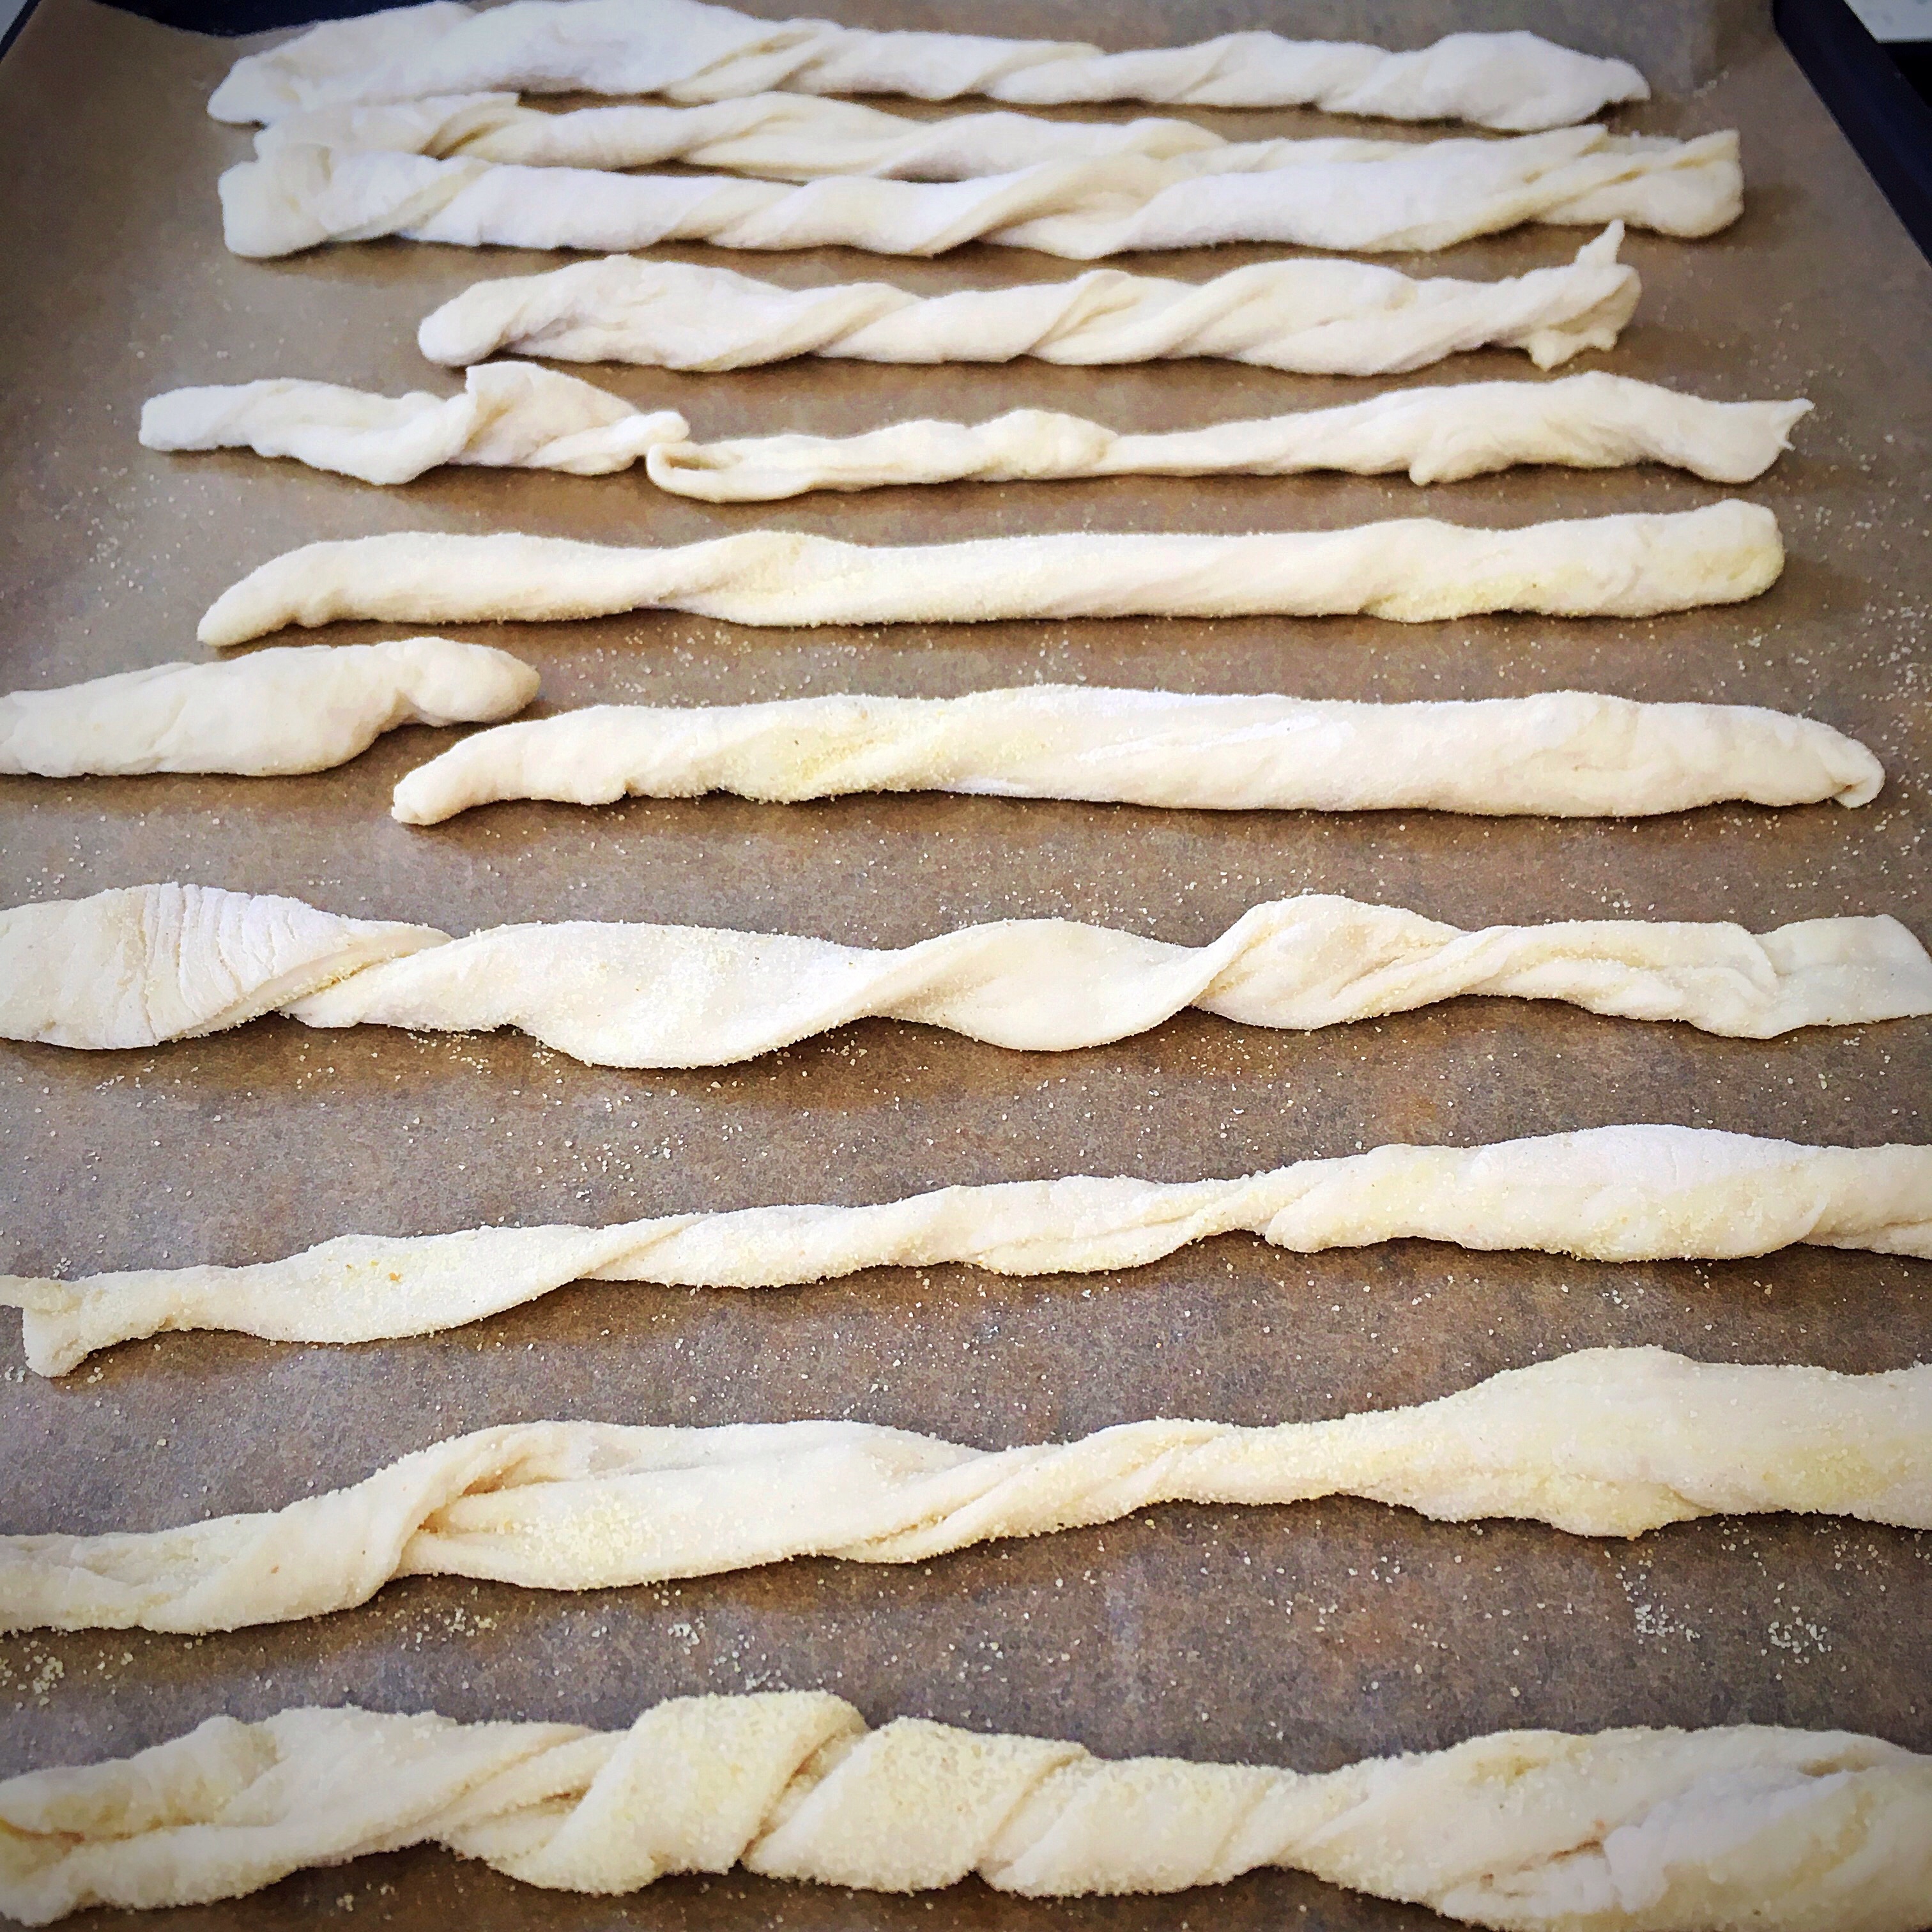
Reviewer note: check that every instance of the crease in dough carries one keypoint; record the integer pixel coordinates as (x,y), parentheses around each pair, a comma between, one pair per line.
(1310,317)
(1408,569)
(1603,1442)
(139,965)
(1427,196)
(1435,188)
(1616,1194)
(510,415)
(514,413)
(687,51)
(1625,1830)
(290,709)
(1563,754)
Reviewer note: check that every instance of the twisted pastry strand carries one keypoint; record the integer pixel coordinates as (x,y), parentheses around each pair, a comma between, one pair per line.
(1566,753)
(1317,318)
(1604,1442)
(135,967)
(300,708)
(1428,196)
(1411,569)
(1583,174)
(688,51)
(516,413)
(1637,1193)
(1625,1831)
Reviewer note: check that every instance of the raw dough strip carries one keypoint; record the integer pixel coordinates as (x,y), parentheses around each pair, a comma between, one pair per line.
(514,413)
(1650,1831)
(1582,174)
(1411,569)
(142,964)
(510,415)
(1317,318)
(299,708)
(294,198)
(690,52)
(1604,1442)
(1622,1194)
(1561,754)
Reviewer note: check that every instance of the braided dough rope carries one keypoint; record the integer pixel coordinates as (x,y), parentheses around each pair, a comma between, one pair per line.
(1428,196)
(1411,569)
(1585,175)
(1563,754)
(145,963)
(1604,1442)
(299,708)
(516,413)
(1319,318)
(687,51)
(1635,1193)
(1625,1831)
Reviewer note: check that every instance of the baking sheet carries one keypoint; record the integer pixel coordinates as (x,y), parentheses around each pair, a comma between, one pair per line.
(1309,1636)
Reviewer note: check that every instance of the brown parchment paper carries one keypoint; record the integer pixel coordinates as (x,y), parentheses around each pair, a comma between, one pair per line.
(1309,1636)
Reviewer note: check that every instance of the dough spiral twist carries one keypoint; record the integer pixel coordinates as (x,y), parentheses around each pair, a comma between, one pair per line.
(1426,197)
(1316,318)
(1634,1193)
(688,51)
(1408,569)
(1628,1830)
(514,413)
(298,708)
(1604,1442)
(145,963)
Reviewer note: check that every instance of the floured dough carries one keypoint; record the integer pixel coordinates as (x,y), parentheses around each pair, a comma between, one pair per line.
(1564,754)
(299,708)
(1339,190)
(511,415)
(1320,318)
(133,967)
(516,413)
(1412,569)
(1604,1442)
(1427,196)
(1636,1193)
(688,51)
(1625,1830)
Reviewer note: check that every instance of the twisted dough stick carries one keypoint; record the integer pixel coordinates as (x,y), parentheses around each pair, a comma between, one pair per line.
(301,708)
(1681,187)
(1604,1442)
(1316,318)
(511,415)
(1565,753)
(1430,196)
(516,413)
(137,966)
(1411,569)
(687,51)
(1640,1193)
(1625,1831)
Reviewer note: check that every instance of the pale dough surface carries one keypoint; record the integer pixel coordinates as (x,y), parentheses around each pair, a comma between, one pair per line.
(1625,1193)
(297,708)
(1319,318)
(1563,754)
(1625,1830)
(510,415)
(1604,1442)
(1411,569)
(1424,196)
(138,965)
(691,52)
(517,414)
